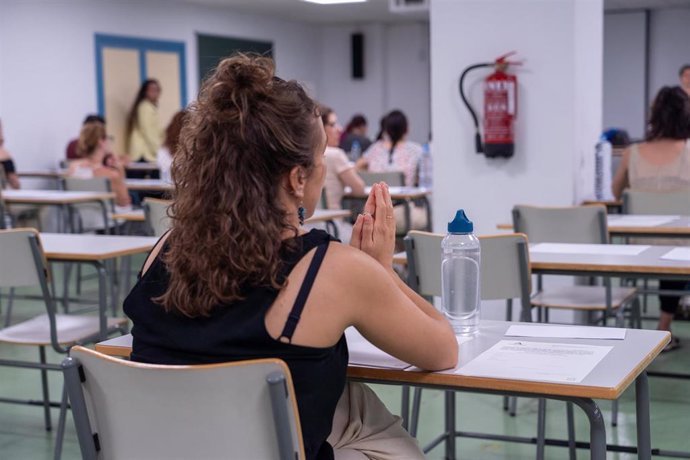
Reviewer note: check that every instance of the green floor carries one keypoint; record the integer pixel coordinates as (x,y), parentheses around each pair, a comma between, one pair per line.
(22,435)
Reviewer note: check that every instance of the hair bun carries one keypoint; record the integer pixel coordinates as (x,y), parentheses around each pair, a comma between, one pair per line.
(240,79)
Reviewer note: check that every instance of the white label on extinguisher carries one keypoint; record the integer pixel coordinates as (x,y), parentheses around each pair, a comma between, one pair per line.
(511,97)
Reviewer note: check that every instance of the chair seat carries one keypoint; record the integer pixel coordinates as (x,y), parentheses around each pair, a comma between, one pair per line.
(70,329)
(582,297)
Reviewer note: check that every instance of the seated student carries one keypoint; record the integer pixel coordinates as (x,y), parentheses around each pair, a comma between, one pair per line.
(165,154)
(661,164)
(9,171)
(393,152)
(95,161)
(72,150)
(223,284)
(355,131)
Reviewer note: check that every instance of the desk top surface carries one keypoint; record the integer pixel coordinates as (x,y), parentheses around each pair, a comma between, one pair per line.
(617,370)
(397,193)
(142,166)
(148,184)
(649,224)
(322,215)
(85,247)
(25,196)
(43,173)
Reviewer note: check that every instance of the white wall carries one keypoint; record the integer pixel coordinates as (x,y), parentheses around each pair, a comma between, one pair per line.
(47,67)
(396,74)
(624,68)
(670,46)
(559,115)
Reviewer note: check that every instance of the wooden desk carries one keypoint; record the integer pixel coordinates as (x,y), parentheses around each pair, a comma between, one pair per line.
(135,215)
(148,185)
(624,364)
(397,193)
(95,250)
(44,174)
(612,206)
(327,215)
(141,166)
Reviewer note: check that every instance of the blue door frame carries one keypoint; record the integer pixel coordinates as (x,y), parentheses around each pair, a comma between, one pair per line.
(142,45)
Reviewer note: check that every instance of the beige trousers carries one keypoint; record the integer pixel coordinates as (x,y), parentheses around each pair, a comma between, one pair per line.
(363,429)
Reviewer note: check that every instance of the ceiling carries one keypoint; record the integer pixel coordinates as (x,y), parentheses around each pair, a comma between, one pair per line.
(377,10)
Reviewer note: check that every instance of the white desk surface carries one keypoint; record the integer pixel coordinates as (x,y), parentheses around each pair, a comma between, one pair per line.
(53,197)
(647,262)
(608,380)
(322,215)
(85,247)
(635,224)
(397,193)
(135,215)
(148,185)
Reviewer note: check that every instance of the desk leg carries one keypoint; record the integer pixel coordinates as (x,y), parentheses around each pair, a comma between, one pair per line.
(644,441)
(427,205)
(597,427)
(102,299)
(450,425)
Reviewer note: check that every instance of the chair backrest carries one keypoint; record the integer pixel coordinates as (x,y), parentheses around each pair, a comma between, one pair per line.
(94,184)
(142,411)
(392,178)
(639,202)
(156,214)
(505,272)
(4,216)
(575,224)
(23,262)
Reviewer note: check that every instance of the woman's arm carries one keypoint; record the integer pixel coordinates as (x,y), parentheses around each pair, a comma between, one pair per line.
(621,180)
(350,178)
(117,183)
(390,314)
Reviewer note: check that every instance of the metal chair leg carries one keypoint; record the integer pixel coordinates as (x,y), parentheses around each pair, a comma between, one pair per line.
(44,384)
(62,420)
(570,415)
(541,429)
(414,418)
(10,301)
(614,413)
(405,406)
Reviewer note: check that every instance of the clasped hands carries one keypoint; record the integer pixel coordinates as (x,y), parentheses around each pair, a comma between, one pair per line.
(374,229)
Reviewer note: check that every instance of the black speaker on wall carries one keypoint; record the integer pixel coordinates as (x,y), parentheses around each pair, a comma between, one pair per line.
(357,46)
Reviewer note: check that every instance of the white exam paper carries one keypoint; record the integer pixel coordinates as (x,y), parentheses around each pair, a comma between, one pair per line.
(566,332)
(603,249)
(640,221)
(536,361)
(677,254)
(364,353)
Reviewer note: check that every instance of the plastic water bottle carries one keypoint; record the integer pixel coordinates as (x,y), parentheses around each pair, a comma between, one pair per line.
(425,167)
(460,275)
(355,150)
(602,170)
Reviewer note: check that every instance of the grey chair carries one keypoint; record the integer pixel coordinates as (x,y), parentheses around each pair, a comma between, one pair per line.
(639,202)
(156,214)
(578,224)
(392,178)
(60,332)
(124,409)
(505,275)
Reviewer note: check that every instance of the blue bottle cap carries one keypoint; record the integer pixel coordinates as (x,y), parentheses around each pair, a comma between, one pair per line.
(461,224)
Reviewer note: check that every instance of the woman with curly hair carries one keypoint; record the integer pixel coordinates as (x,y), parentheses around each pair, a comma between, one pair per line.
(238,278)
(661,164)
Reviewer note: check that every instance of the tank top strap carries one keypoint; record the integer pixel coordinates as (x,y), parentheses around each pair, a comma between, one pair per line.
(303,294)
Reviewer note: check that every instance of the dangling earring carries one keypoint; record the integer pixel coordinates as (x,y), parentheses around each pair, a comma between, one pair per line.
(300,214)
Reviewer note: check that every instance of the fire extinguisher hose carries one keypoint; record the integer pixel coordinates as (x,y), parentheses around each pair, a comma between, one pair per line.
(479,145)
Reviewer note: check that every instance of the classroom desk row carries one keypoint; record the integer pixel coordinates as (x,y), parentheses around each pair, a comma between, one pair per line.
(624,364)
(641,225)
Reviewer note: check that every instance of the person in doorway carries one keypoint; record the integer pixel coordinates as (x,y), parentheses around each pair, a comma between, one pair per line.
(661,164)
(143,128)
(222,284)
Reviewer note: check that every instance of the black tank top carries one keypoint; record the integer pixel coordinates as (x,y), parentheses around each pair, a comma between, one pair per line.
(237,332)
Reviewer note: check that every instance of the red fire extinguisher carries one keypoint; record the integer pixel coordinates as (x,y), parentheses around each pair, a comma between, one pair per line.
(500,108)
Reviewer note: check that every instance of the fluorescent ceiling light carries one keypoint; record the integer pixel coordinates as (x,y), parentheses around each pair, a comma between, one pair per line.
(333,2)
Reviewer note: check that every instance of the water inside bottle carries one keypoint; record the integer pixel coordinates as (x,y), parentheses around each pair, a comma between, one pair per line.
(461,293)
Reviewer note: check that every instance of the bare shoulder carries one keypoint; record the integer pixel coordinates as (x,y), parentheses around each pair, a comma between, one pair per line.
(351,268)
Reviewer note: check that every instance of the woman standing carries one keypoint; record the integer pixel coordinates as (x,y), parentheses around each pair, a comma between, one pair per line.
(238,278)
(143,127)
(661,164)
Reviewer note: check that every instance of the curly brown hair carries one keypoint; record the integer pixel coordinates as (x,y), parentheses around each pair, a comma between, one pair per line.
(245,133)
(172,132)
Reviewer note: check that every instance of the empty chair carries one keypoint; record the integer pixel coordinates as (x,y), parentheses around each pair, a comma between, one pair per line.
(392,178)
(124,409)
(156,213)
(639,202)
(29,268)
(580,224)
